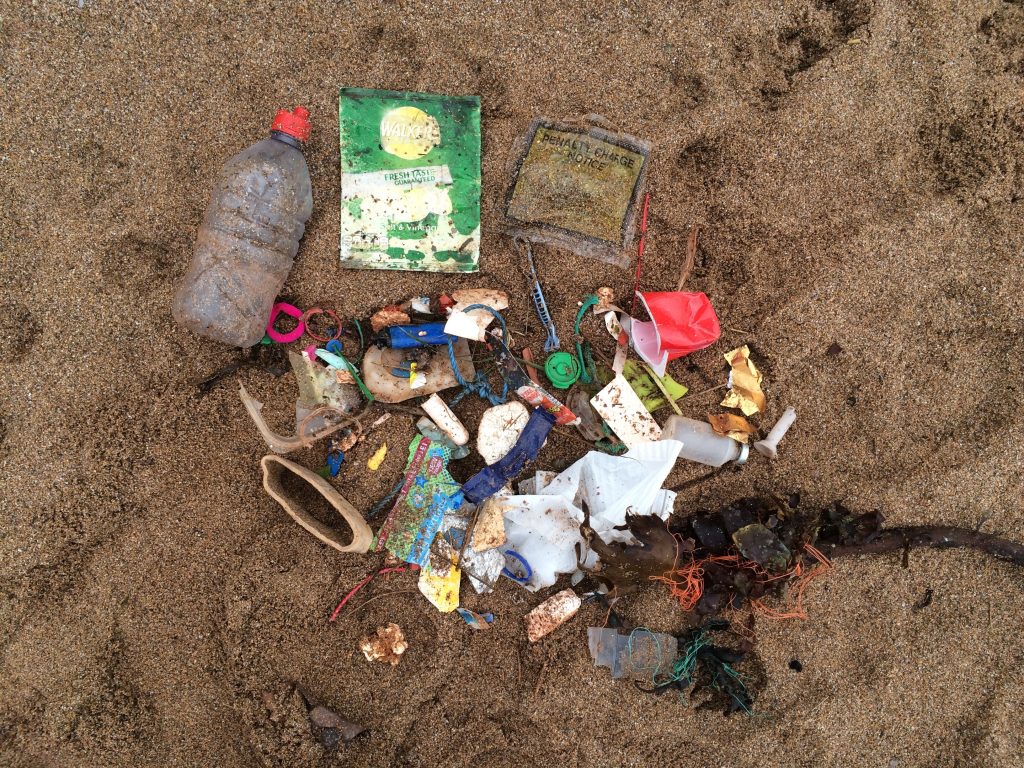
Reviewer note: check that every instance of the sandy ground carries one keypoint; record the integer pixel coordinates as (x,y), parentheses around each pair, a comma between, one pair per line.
(857,168)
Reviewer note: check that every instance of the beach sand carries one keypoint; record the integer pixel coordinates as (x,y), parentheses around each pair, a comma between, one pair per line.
(857,169)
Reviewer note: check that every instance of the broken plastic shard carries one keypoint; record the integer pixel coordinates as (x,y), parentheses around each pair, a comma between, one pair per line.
(386,645)
(489,531)
(744,382)
(473,324)
(446,420)
(590,427)
(551,614)
(500,428)
(476,620)
(625,414)
(653,390)
(605,300)
(378,366)
(439,583)
(640,655)
(374,462)
(755,542)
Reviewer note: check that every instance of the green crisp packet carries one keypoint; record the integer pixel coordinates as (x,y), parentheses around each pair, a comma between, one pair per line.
(410,181)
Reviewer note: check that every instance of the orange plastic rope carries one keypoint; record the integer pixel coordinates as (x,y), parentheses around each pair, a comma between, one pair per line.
(794,605)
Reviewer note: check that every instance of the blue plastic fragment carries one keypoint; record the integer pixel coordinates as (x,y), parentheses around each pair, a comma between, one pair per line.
(334,462)
(489,480)
(474,619)
(410,336)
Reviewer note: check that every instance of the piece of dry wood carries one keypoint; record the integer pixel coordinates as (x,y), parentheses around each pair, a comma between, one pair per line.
(691,257)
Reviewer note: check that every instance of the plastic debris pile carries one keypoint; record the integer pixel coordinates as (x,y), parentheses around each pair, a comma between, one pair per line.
(410,200)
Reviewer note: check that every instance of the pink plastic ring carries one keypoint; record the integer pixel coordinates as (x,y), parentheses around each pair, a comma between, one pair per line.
(292,335)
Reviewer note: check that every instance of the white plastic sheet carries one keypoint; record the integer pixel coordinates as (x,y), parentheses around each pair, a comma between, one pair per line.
(544,527)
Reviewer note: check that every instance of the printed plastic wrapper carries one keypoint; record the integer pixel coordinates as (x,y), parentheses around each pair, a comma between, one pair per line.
(544,527)
(426,494)
(577,186)
(410,180)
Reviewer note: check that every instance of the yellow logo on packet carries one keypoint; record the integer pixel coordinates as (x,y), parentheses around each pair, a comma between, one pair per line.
(409,133)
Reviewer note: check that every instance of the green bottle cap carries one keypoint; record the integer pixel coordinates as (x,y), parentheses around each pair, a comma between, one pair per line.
(562,369)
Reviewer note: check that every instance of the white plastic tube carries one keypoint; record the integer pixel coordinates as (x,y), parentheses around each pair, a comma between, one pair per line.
(770,445)
(447,421)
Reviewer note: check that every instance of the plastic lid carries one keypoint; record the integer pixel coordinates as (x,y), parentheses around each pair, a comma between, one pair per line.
(744,454)
(562,369)
(294,123)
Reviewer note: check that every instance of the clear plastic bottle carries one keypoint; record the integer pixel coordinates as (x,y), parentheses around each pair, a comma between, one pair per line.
(702,444)
(249,236)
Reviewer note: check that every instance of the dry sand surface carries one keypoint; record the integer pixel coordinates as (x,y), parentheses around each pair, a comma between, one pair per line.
(857,168)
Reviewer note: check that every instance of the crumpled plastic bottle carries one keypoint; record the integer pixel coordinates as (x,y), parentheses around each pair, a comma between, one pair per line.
(247,243)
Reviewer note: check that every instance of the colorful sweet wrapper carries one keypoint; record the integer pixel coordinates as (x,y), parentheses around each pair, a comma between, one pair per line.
(744,383)
(427,492)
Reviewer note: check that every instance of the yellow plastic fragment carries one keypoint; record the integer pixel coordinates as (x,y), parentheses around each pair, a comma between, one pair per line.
(377,459)
(440,588)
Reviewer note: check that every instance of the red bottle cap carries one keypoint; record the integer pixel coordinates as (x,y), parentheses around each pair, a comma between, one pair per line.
(294,123)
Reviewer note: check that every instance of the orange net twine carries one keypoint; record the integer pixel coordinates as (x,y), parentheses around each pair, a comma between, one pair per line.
(686,584)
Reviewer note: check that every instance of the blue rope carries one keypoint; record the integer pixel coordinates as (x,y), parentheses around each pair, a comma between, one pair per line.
(381,505)
(480,385)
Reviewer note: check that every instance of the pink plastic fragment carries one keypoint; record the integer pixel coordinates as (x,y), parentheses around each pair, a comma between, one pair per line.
(292,335)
